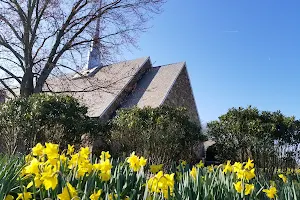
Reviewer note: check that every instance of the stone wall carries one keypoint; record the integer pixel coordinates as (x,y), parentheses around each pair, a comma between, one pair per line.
(181,95)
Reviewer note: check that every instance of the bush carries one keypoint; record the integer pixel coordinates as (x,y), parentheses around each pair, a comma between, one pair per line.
(41,118)
(267,137)
(162,134)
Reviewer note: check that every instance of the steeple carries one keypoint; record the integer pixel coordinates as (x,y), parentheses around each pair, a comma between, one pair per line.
(94,57)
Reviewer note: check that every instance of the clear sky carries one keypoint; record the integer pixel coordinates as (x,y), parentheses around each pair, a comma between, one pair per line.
(238,52)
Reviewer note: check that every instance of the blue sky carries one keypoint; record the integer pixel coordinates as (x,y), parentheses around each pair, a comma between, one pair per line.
(238,52)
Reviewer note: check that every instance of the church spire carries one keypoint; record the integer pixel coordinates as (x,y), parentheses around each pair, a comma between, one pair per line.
(94,57)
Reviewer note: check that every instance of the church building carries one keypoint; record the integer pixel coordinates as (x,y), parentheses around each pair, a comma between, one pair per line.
(104,89)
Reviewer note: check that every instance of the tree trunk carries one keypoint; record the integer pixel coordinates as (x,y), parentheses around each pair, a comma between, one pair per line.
(27,87)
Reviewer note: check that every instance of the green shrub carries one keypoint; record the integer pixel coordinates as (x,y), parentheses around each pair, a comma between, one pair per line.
(162,134)
(43,118)
(267,137)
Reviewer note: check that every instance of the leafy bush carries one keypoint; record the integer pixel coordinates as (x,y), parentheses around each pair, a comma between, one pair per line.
(163,134)
(41,118)
(267,137)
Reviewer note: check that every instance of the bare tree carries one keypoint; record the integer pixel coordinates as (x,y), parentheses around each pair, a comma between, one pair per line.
(42,37)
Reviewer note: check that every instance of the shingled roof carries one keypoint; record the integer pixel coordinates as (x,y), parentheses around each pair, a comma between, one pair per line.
(154,87)
(127,84)
(99,91)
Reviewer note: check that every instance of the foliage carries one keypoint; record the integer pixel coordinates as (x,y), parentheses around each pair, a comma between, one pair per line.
(265,136)
(162,133)
(76,175)
(41,118)
(10,168)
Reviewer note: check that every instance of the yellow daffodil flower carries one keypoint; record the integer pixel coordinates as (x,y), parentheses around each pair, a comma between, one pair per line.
(70,150)
(200,164)
(238,186)
(271,192)
(249,165)
(283,177)
(105,155)
(227,168)
(68,193)
(193,172)
(96,195)
(9,197)
(24,196)
(237,166)
(249,188)
(38,150)
(135,162)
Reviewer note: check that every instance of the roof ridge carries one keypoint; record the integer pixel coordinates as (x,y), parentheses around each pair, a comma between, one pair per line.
(176,63)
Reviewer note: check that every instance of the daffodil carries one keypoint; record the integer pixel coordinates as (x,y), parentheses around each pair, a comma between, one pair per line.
(63,159)
(238,186)
(37,182)
(49,177)
(105,165)
(183,163)
(105,175)
(70,150)
(210,168)
(38,150)
(51,150)
(143,161)
(237,166)
(112,196)
(250,174)
(249,188)
(200,164)
(9,197)
(96,195)
(105,155)
(135,162)
(84,152)
(84,167)
(24,196)
(33,167)
(193,172)
(249,165)
(227,168)
(68,193)
(271,192)
(283,177)
(162,183)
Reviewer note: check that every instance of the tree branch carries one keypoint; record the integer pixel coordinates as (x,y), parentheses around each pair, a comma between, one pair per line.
(10,73)
(8,88)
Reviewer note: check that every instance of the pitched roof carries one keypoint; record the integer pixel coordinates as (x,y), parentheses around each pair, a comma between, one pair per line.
(154,86)
(124,85)
(99,91)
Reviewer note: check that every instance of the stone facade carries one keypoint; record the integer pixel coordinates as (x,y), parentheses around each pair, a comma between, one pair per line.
(181,95)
